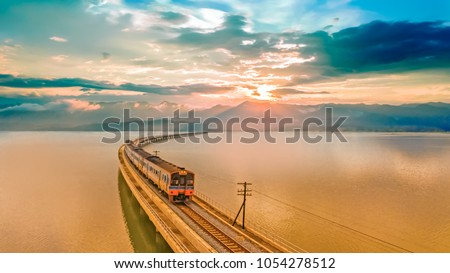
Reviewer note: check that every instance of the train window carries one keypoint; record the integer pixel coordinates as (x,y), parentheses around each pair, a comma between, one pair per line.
(182,180)
(190,179)
(175,179)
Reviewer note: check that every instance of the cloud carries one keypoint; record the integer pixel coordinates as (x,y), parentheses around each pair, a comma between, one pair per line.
(383,46)
(25,107)
(230,35)
(31,97)
(19,82)
(105,57)
(199,47)
(248,42)
(58,39)
(59,58)
(204,89)
(79,105)
(281,92)
(376,48)
(174,17)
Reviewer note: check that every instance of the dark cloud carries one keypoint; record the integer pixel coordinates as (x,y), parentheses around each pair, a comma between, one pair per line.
(383,46)
(378,47)
(229,36)
(374,48)
(174,17)
(11,100)
(106,56)
(235,22)
(18,82)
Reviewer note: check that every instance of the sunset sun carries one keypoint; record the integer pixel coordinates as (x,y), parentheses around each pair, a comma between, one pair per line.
(263,92)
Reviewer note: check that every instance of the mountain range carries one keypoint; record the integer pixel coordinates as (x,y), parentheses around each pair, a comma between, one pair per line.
(424,117)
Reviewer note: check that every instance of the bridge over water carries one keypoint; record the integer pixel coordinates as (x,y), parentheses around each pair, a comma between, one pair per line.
(197,225)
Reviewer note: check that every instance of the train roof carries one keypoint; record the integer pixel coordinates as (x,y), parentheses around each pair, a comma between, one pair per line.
(158,161)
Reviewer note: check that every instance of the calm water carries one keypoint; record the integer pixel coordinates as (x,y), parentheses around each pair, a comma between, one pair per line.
(376,193)
(61,192)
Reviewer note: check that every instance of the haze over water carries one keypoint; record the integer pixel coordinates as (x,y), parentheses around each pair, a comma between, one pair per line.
(59,192)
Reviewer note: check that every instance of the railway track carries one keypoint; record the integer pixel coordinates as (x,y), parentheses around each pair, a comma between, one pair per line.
(226,241)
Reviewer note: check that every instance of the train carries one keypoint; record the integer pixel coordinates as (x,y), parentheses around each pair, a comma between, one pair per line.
(175,182)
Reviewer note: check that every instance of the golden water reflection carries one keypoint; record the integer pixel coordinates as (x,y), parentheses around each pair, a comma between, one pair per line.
(143,234)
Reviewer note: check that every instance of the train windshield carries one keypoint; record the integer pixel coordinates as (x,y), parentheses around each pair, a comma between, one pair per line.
(175,179)
(190,179)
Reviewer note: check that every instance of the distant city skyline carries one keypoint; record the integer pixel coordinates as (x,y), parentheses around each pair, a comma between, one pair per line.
(83,56)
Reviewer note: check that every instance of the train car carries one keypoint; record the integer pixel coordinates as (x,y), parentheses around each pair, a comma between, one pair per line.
(175,181)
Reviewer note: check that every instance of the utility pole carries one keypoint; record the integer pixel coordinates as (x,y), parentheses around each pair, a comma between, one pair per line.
(156,153)
(245,192)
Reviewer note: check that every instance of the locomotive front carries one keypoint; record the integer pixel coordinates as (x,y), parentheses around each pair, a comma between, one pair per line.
(181,187)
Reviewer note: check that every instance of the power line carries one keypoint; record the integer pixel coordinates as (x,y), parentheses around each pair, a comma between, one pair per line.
(303,211)
(244,192)
(322,218)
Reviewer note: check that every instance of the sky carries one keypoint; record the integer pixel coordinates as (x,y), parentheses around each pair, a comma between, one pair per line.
(80,55)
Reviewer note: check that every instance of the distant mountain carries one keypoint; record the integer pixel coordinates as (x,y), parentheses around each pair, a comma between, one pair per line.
(361,117)
(213,111)
(430,117)
(407,117)
(167,108)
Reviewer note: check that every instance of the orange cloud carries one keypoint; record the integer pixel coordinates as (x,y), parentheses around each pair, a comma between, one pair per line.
(79,105)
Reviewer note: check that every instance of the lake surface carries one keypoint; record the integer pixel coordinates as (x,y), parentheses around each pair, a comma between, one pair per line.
(61,192)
